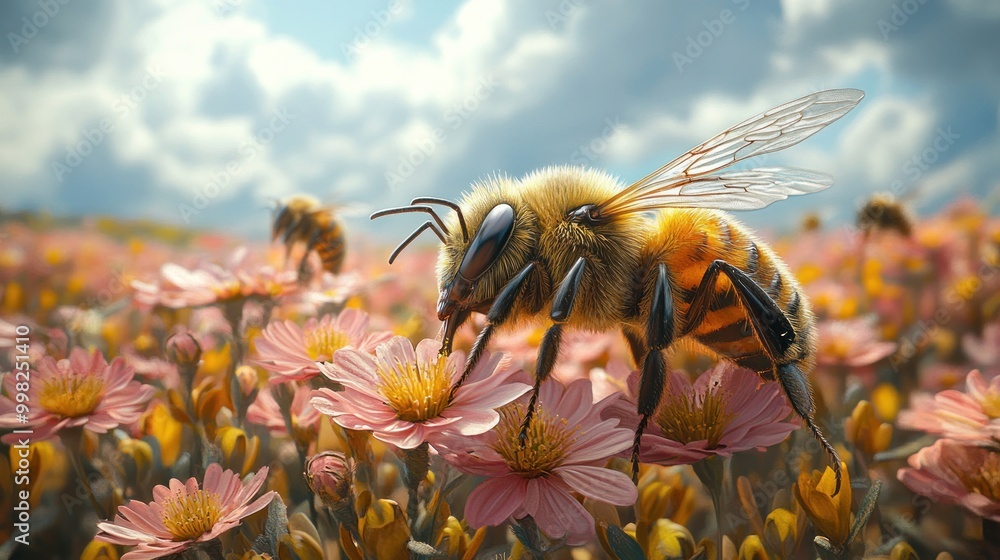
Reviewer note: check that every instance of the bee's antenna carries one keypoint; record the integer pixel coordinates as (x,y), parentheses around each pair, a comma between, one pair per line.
(406,209)
(408,240)
(444,202)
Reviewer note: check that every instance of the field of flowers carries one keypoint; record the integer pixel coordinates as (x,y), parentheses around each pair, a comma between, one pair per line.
(172,394)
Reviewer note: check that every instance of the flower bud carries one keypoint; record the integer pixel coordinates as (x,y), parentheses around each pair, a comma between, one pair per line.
(249,381)
(330,476)
(183,349)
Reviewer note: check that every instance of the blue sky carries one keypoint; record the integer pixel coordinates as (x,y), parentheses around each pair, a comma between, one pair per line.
(203,112)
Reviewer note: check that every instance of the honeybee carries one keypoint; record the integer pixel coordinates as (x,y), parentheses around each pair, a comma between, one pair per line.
(301,219)
(882,212)
(657,259)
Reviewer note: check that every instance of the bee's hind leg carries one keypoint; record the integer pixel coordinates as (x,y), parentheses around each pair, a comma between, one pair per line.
(562,306)
(659,336)
(776,335)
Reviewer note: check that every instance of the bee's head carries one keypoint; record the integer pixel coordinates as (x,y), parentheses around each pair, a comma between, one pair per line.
(485,242)
(480,254)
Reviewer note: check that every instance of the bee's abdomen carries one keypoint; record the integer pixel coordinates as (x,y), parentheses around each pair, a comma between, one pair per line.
(726,328)
(330,245)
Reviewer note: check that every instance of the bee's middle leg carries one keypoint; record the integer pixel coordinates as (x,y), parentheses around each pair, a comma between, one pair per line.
(562,306)
(659,336)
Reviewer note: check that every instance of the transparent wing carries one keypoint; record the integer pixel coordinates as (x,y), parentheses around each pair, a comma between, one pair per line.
(738,190)
(685,182)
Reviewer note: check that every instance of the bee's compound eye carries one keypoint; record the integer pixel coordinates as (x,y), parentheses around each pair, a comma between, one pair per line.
(488,243)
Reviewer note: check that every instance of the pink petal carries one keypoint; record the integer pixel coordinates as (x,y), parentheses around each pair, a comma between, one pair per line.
(494,500)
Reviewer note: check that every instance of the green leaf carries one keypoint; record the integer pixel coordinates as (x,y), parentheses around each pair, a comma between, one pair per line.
(275,527)
(623,545)
(865,511)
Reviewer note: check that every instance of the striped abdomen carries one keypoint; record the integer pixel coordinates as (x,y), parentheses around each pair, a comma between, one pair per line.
(330,244)
(689,241)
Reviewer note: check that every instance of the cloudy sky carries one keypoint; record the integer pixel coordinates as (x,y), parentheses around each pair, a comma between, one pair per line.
(205,111)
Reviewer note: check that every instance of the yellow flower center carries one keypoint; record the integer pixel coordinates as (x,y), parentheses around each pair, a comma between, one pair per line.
(837,348)
(322,342)
(71,395)
(985,481)
(188,516)
(417,392)
(548,443)
(991,404)
(686,417)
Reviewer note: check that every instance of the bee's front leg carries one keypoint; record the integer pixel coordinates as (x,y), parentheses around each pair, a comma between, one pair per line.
(562,306)
(497,315)
(659,336)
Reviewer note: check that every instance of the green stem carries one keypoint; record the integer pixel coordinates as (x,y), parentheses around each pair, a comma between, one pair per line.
(73,439)
(417,463)
(711,473)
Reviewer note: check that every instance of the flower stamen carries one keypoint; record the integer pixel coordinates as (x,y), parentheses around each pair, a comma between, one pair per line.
(417,392)
(548,443)
(188,516)
(323,341)
(71,395)
(984,481)
(688,417)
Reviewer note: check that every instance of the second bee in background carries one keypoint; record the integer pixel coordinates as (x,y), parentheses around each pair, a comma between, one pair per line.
(302,219)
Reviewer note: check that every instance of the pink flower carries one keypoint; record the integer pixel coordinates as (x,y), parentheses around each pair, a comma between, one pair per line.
(973,416)
(568,445)
(984,351)
(334,289)
(291,352)
(853,343)
(403,395)
(210,283)
(954,473)
(726,410)
(183,515)
(266,412)
(83,390)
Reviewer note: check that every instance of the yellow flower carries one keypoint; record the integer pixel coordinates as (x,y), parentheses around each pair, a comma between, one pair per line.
(830,514)
(753,549)
(668,540)
(457,542)
(865,431)
(141,454)
(98,550)
(663,494)
(238,449)
(160,424)
(903,551)
(886,400)
(302,540)
(384,530)
(781,532)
